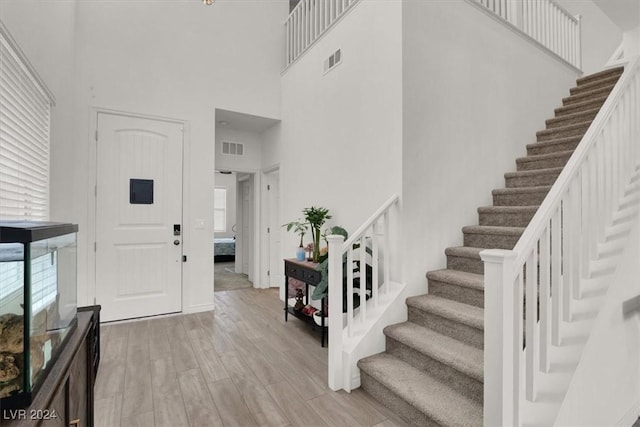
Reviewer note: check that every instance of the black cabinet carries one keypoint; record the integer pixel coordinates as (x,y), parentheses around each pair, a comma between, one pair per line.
(305,272)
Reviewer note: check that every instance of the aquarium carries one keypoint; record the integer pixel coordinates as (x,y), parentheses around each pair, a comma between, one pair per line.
(38,303)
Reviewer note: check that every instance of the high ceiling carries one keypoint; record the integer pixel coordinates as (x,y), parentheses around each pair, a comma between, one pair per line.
(624,13)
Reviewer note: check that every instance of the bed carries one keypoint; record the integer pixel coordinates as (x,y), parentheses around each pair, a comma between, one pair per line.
(224,249)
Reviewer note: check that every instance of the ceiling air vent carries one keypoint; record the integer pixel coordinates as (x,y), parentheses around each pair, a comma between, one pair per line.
(332,61)
(232,148)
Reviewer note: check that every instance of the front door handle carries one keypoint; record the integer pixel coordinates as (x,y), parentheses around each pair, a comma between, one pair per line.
(176,242)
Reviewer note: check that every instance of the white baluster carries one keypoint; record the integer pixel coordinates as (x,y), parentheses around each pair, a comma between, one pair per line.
(545,299)
(350,292)
(531,336)
(566,258)
(579,42)
(574,228)
(501,348)
(556,279)
(375,283)
(385,254)
(363,278)
(335,312)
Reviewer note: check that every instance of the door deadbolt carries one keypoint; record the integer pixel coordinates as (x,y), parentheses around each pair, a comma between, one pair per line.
(176,242)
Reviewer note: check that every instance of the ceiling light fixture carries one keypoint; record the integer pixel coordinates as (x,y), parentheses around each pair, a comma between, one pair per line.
(208,2)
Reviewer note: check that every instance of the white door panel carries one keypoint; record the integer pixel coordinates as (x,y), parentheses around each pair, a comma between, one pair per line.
(276,278)
(138,258)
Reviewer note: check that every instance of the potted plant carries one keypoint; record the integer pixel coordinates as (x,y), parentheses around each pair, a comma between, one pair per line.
(316,217)
(301,229)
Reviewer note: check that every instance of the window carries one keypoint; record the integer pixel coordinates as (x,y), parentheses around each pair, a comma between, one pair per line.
(220,210)
(25,114)
(25,111)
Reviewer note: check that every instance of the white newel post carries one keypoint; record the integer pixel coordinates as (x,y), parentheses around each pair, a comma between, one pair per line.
(335,312)
(500,378)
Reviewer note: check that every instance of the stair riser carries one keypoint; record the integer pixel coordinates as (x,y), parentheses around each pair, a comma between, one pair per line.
(393,402)
(532,180)
(587,96)
(553,148)
(593,85)
(470,265)
(598,76)
(556,162)
(490,241)
(520,199)
(564,121)
(543,136)
(505,219)
(579,107)
(462,383)
(448,327)
(457,293)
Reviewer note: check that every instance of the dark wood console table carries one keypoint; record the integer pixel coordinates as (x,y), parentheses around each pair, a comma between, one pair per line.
(305,272)
(66,395)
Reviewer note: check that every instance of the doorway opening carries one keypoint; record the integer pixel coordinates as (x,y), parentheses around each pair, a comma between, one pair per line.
(234,228)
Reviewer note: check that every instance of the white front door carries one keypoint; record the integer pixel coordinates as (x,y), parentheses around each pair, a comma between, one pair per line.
(276,268)
(138,214)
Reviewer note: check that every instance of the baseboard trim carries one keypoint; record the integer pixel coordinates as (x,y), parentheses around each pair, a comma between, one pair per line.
(631,416)
(199,309)
(355,380)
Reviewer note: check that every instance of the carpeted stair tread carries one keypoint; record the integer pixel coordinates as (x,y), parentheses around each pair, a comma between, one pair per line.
(587,104)
(522,161)
(520,196)
(458,278)
(508,209)
(466,314)
(444,349)
(554,145)
(572,129)
(438,401)
(532,177)
(521,190)
(509,216)
(599,75)
(464,258)
(607,80)
(493,229)
(464,252)
(583,96)
(491,236)
(574,117)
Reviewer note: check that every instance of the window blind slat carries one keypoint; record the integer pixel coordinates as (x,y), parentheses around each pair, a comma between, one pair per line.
(25,115)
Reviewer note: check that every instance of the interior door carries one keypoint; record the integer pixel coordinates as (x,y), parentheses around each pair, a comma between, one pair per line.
(247,221)
(276,277)
(139,217)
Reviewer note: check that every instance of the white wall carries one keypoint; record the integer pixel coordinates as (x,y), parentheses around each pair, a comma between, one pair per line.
(341,133)
(45,31)
(252,158)
(271,146)
(474,96)
(180,60)
(605,388)
(228,182)
(600,35)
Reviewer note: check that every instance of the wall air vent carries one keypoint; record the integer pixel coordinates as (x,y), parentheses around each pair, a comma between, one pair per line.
(232,148)
(332,61)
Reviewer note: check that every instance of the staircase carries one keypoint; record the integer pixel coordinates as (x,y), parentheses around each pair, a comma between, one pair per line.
(432,370)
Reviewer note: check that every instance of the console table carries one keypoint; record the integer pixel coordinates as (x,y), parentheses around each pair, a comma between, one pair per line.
(305,272)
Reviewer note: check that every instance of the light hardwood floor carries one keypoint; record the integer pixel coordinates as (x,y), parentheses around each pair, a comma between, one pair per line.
(241,365)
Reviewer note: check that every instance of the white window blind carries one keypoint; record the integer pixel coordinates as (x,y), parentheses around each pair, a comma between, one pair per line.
(220,210)
(25,113)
